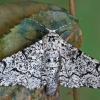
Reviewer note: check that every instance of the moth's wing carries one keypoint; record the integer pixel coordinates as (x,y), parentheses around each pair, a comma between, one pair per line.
(78,69)
(24,68)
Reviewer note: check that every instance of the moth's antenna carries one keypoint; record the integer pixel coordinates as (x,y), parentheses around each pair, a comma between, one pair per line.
(55,30)
(65,25)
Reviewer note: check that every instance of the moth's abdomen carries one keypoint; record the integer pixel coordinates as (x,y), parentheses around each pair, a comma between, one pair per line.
(52,67)
(52,64)
(52,80)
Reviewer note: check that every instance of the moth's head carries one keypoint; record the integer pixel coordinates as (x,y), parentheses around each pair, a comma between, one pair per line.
(52,58)
(52,33)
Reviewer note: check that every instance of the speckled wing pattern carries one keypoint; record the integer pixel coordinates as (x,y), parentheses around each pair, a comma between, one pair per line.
(24,68)
(78,69)
(49,62)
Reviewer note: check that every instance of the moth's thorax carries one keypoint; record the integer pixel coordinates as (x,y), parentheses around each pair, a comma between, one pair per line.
(51,41)
(52,58)
(50,46)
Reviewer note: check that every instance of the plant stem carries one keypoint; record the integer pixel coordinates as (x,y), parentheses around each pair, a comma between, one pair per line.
(72,11)
(71,7)
(75,94)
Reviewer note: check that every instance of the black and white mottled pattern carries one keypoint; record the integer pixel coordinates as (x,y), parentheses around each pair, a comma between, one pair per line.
(24,68)
(49,62)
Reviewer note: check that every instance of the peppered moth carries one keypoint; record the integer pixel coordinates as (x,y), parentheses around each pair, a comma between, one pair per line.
(48,62)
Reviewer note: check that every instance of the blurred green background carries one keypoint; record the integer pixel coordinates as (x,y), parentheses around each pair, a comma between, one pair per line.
(88,13)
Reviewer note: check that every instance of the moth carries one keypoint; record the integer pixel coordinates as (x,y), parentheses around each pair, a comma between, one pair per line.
(48,62)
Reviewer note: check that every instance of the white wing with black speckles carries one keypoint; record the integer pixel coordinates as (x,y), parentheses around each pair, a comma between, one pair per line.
(24,68)
(78,69)
(47,62)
